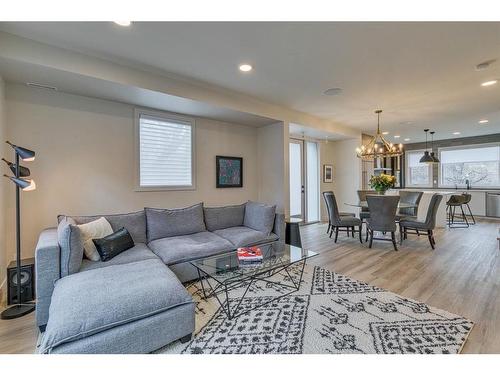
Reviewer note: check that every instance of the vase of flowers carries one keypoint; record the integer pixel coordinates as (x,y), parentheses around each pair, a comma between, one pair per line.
(382,182)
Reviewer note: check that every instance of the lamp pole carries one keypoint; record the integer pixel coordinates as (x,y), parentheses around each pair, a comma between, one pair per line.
(18,235)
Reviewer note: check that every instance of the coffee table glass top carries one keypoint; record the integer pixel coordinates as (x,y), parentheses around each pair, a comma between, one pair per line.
(226,267)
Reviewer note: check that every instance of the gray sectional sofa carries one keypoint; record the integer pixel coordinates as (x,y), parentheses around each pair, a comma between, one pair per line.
(135,302)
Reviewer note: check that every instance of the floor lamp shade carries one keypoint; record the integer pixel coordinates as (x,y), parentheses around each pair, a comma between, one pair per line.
(26,185)
(23,171)
(24,153)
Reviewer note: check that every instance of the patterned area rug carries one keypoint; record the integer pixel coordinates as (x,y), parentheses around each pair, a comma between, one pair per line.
(331,313)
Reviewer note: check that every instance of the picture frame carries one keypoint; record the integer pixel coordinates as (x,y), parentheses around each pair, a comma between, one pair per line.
(228,171)
(327,173)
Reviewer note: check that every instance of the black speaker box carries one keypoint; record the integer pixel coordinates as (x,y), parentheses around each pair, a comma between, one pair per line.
(27,281)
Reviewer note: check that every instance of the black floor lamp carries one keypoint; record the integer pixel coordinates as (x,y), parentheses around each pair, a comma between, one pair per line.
(19,309)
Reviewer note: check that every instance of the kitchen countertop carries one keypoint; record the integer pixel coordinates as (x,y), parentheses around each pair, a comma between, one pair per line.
(452,191)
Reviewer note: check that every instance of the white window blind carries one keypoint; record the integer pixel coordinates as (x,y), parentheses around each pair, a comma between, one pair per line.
(165,152)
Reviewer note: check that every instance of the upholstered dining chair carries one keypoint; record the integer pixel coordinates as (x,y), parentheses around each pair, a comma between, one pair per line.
(364,213)
(410,197)
(339,222)
(382,217)
(427,225)
(328,210)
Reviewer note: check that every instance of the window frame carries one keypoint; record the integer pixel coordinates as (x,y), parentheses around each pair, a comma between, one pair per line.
(407,172)
(464,147)
(162,116)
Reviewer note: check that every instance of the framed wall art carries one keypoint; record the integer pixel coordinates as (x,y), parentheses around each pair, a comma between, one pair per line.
(229,171)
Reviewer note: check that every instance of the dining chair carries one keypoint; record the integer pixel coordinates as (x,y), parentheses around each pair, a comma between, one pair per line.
(410,197)
(382,217)
(365,212)
(328,210)
(339,222)
(418,225)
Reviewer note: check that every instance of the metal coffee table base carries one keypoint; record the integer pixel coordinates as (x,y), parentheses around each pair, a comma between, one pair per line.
(225,287)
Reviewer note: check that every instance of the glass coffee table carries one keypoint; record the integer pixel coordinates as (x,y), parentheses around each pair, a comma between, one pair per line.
(221,274)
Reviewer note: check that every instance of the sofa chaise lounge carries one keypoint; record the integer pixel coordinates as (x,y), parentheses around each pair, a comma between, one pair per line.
(135,302)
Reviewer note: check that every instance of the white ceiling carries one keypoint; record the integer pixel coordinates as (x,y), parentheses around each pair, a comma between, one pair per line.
(421,73)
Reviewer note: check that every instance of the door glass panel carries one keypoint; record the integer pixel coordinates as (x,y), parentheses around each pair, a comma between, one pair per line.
(312,181)
(295,179)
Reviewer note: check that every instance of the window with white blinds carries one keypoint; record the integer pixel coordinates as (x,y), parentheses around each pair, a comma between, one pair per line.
(165,152)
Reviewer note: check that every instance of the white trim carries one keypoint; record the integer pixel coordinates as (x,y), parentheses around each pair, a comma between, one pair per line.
(407,170)
(463,147)
(161,115)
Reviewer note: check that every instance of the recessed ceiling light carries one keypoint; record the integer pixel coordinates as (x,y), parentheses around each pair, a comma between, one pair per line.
(397,136)
(123,23)
(385,133)
(245,67)
(489,83)
(484,121)
(456,133)
(333,91)
(406,123)
(407,139)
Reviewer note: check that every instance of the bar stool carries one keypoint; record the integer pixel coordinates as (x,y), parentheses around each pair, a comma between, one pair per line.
(467,199)
(454,202)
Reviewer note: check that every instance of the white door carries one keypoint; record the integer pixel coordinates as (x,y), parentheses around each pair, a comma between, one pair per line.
(304,180)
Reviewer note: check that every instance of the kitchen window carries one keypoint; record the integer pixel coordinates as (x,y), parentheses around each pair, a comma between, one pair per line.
(417,174)
(164,151)
(479,165)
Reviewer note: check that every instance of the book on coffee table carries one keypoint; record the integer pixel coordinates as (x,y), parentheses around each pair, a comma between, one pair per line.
(252,254)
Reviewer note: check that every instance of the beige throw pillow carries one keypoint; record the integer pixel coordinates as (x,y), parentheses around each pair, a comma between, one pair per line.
(95,229)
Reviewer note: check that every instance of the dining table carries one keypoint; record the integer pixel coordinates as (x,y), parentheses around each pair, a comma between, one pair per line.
(364,204)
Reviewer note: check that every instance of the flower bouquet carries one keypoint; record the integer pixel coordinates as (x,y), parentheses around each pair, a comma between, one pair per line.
(382,182)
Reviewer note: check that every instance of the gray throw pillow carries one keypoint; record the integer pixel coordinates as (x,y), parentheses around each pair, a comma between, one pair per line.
(259,216)
(224,217)
(71,245)
(162,223)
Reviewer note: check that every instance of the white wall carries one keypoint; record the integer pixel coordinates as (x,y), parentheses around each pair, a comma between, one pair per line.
(272,150)
(3,184)
(346,173)
(85,160)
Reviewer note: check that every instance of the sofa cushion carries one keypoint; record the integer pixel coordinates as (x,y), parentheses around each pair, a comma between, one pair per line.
(180,249)
(134,222)
(224,217)
(95,229)
(243,236)
(259,216)
(71,245)
(87,303)
(174,222)
(135,254)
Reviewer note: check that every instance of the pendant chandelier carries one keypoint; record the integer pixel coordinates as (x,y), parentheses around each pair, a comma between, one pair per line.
(378,147)
(429,158)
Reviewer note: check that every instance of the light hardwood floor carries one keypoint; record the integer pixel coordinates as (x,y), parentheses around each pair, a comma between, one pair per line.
(461,276)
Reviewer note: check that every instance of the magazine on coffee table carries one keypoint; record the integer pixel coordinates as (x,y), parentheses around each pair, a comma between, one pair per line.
(249,255)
